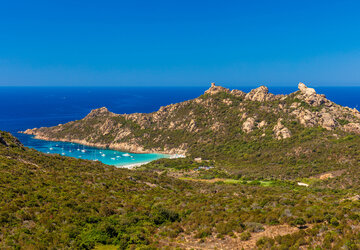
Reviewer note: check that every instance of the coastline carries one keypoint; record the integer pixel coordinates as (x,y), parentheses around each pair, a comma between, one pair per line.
(100,146)
(125,147)
(134,165)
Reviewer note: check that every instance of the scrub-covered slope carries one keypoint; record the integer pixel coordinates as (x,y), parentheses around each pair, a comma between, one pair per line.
(51,201)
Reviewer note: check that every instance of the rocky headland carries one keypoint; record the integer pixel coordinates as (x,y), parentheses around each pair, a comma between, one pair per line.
(208,119)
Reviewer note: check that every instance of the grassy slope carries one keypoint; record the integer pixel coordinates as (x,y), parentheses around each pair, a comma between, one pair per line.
(54,201)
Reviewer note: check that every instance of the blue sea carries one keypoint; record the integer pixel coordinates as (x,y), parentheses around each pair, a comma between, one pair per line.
(29,107)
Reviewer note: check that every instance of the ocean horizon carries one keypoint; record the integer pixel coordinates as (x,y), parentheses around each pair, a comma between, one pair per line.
(30,107)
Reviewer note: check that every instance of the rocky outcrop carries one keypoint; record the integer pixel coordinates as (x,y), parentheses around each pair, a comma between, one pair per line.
(310,96)
(99,112)
(248,125)
(352,128)
(259,94)
(280,131)
(262,124)
(216,89)
(8,140)
(305,90)
(327,121)
(238,93)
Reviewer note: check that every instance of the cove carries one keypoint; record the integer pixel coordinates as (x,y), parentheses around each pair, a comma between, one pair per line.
(106,156)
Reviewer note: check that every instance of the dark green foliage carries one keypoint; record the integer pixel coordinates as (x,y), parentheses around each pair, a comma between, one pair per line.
(53,201)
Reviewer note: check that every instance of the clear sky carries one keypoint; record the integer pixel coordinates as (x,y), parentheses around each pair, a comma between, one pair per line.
(182,42)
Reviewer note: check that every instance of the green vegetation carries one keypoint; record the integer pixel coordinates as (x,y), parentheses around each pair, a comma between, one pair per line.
(235,184)
(50,201)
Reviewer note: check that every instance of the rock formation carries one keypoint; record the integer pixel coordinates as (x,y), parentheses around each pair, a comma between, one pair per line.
(260,94)
(249,125)
(281,132)
(216,89)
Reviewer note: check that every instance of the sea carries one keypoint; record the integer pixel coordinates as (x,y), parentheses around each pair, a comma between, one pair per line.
(29,107)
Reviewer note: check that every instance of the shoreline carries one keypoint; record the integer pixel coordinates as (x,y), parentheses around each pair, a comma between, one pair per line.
(124,147)
(134,165)
(120,165)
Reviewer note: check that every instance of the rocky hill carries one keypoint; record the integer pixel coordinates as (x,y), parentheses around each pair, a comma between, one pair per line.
(216,113)
(255,133)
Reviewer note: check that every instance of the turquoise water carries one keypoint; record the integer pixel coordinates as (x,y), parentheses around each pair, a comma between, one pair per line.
(107,156)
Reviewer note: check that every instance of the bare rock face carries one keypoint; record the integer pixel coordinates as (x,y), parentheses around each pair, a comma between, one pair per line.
(259,94)
(281,132)
(249,125)
(238,93)
(306,117)
(216,89)
(327,121)
(352,127)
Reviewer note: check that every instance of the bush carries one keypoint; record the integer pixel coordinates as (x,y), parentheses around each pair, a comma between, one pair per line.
(245,236)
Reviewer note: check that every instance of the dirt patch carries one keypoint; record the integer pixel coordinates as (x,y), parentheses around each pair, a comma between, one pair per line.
(189,242)
(330,175)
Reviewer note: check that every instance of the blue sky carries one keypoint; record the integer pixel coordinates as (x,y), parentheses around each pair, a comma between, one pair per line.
(179,42)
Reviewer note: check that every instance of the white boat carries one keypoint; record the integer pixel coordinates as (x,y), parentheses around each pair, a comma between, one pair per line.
(51,148)
(126,154)
(103,155)
(83,150)
(112,158)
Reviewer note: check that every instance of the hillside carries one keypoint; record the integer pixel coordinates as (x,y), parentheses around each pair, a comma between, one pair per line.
(256,134)
(51,201)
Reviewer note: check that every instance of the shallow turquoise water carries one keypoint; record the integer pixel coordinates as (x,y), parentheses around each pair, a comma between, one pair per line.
(107,156)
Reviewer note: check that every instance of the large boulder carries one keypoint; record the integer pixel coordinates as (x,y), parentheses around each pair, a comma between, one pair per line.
(248,125)
(260,94)
(280,131)
(305,90)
